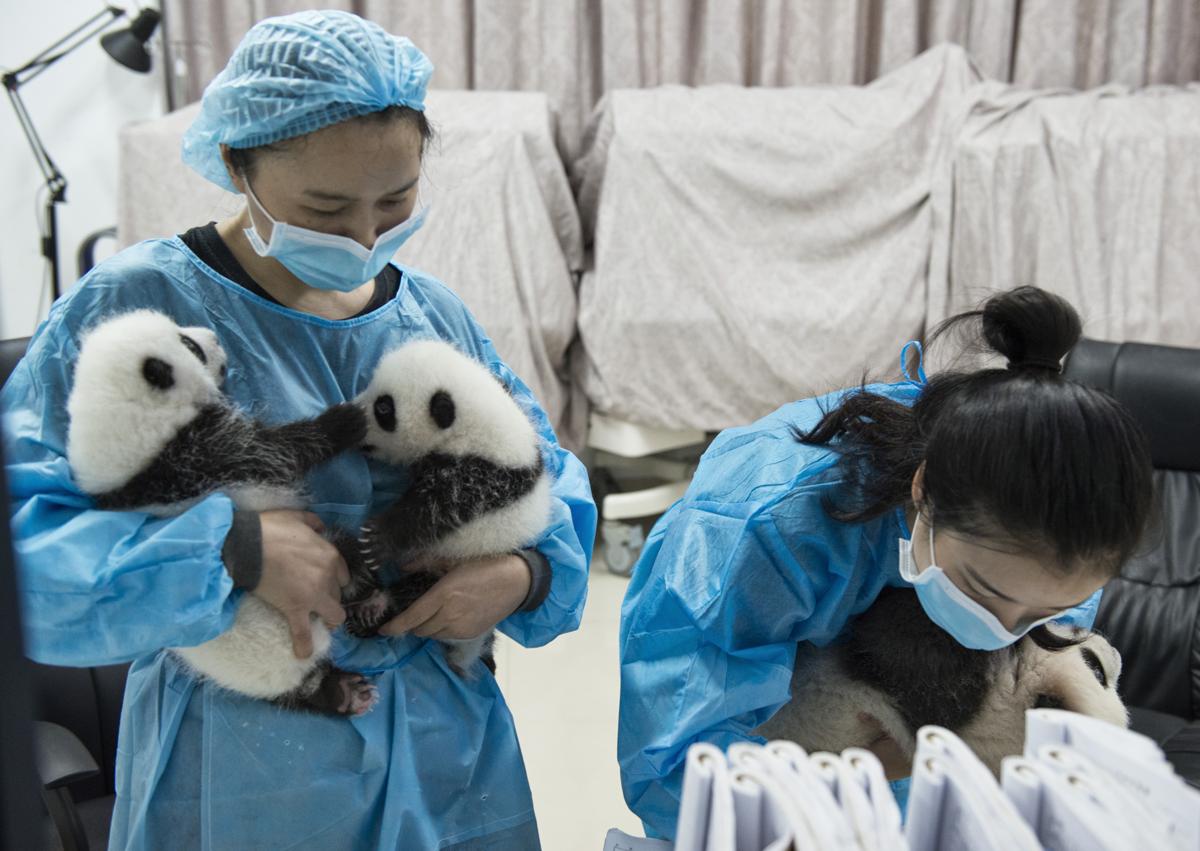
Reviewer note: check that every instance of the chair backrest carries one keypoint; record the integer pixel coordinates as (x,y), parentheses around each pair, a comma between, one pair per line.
(87,701)
(1151,612)
(11,352)
(1160,385)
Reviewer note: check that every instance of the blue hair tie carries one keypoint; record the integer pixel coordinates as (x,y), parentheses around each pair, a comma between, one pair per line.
(920,379)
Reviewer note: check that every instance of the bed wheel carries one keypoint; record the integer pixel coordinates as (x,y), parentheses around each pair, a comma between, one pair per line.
(620,545)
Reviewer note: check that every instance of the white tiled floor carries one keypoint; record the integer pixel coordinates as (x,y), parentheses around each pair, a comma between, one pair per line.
(564,699)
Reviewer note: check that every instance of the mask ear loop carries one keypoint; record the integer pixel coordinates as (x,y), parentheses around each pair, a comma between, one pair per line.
(921,518)
(920,379)
(252,201)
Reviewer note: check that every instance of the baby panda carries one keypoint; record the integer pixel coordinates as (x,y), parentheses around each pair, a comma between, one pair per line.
(898,671)
(150,430)
(478,486)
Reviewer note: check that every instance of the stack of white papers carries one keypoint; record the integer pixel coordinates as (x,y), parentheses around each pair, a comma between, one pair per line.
(955,803)
(1081,785)
(776,797)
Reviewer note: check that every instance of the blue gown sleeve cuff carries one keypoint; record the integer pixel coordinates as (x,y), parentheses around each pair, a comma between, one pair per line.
(242,550)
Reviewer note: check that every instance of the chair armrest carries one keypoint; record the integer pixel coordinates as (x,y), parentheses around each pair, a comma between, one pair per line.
(1159,726)
(85,257)
(61,758)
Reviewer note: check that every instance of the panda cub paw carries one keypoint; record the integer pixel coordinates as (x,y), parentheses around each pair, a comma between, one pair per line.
(363,617)
(345,425)
(358,695)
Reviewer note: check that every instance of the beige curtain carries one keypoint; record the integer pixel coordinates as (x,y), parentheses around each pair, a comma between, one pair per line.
(575,50)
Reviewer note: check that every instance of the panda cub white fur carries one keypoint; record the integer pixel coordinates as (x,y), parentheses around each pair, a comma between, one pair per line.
(898,671)
(478,484)
(150,430)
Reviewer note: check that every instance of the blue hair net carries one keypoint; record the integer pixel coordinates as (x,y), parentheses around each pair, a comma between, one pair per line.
(295,74)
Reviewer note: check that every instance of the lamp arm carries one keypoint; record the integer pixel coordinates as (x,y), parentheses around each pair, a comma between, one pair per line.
(55,181)
(13,80)
(56,184)
(18,77)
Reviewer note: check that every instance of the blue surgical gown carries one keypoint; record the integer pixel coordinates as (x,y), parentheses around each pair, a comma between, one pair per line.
(436,764)
(737,572)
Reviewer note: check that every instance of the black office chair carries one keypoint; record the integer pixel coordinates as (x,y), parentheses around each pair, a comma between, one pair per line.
(18,832)
(75,737)
(1151,612)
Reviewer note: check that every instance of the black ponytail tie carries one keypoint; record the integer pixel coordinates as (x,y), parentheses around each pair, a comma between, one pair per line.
(1036,363)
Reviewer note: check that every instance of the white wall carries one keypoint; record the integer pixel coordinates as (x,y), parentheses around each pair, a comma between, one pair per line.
(77,106)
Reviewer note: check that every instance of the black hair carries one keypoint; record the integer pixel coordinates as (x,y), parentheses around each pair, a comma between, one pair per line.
(1018,454)
(244,160)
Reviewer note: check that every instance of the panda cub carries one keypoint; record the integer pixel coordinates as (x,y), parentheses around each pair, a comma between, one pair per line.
(478,486)
(150,430)
(898,671)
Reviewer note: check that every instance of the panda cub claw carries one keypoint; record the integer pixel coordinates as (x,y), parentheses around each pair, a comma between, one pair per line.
(368,551)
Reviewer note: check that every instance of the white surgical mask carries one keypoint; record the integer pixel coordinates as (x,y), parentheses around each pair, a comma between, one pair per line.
(327,261)
(952,609)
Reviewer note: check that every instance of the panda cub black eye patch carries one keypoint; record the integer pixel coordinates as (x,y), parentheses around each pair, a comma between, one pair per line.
(385,413)
(441,408)
(193,347)
(158,373)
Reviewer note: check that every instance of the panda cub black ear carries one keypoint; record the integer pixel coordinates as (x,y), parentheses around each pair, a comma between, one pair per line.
(193,347)
(158,373)
(441,408)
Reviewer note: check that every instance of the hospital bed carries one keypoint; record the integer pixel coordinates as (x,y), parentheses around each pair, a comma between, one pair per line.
(753,246)
(1094,195)
(750,247)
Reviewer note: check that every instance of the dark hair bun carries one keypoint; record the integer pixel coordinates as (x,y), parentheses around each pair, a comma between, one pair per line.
(1030,327)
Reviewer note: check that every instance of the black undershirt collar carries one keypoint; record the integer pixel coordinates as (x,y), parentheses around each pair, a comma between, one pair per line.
(206,243)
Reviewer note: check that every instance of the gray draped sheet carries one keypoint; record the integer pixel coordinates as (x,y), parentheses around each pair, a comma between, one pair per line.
(755,246)
(1094,195)
(503,231)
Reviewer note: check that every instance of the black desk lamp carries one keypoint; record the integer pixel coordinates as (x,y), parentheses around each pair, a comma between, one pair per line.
(127,46)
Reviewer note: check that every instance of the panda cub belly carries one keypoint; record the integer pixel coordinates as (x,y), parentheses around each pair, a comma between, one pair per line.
(265,497)
(495,531)
(255,656)
(831,711)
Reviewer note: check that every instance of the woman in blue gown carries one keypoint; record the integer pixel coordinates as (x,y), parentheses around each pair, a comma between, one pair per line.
(1005,496)
(318,120)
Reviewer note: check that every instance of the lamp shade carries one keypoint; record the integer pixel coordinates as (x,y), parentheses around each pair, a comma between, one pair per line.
(128,46)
